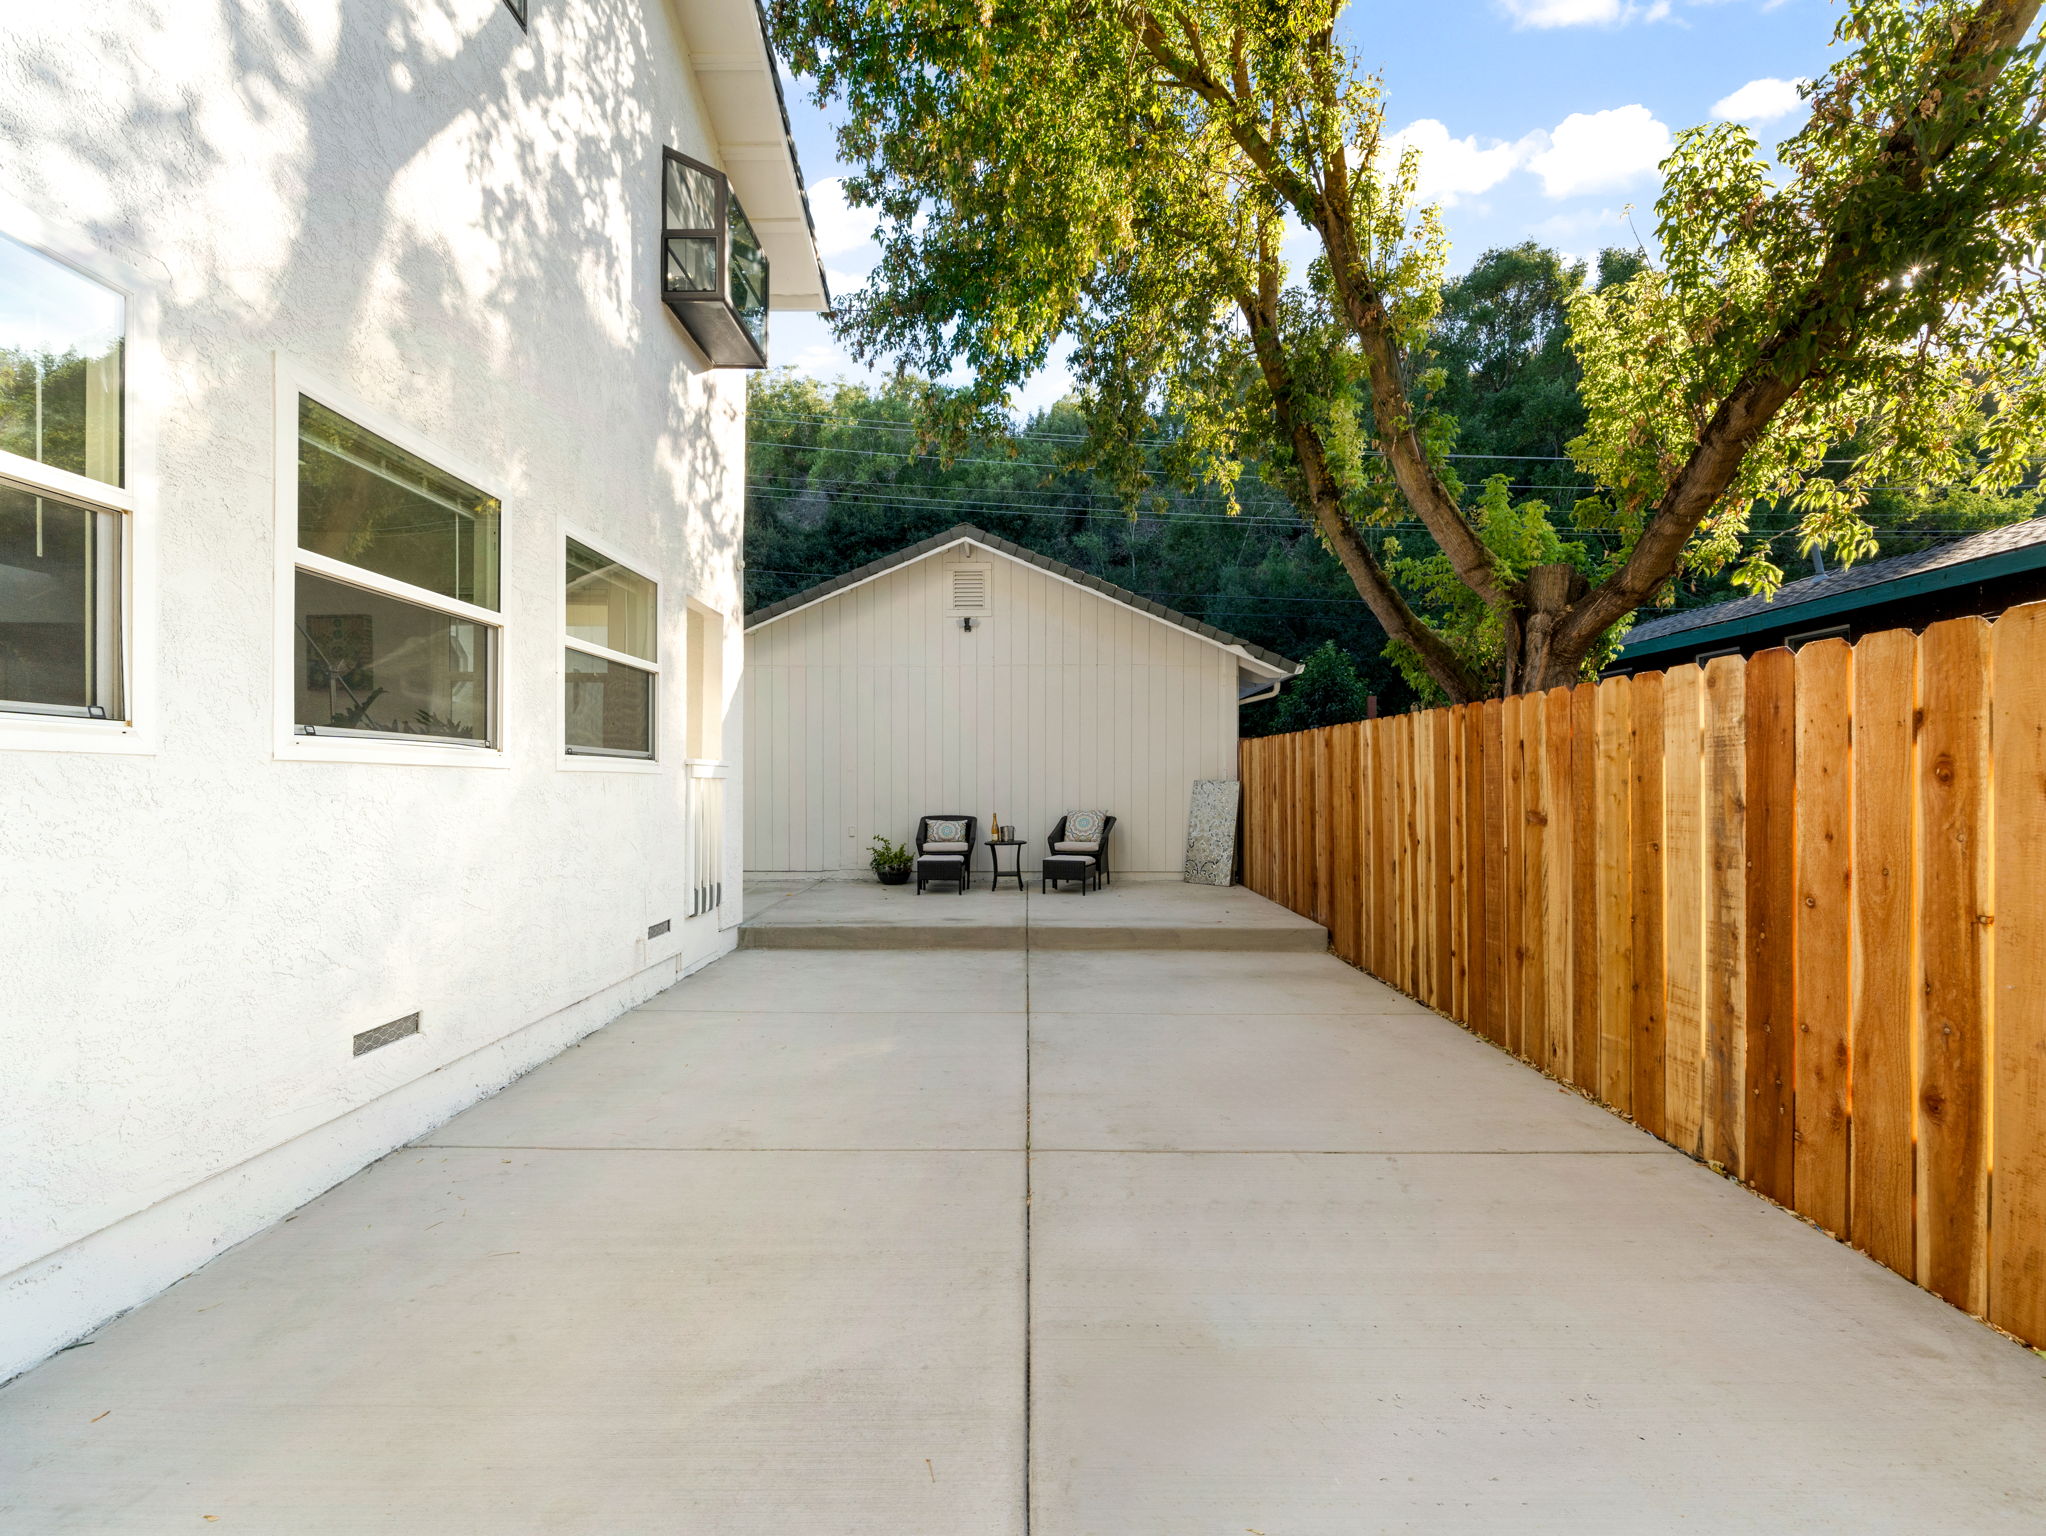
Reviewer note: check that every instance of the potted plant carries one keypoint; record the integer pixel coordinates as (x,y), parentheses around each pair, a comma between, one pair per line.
(891,862)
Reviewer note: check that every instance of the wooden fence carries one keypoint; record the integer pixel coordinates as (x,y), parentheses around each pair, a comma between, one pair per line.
(1787,913)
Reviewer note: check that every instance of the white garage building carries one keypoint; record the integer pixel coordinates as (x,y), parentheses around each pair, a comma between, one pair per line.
(968,674)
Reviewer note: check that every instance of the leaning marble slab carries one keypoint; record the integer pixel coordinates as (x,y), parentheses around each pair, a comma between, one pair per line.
(1211,832)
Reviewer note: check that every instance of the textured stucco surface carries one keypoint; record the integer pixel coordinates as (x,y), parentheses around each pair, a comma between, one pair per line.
(456,223)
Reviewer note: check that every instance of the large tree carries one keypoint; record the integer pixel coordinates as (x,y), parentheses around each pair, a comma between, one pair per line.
(1131,174)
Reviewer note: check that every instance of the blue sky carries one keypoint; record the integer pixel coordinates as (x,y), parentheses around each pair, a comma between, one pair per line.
(1536,118)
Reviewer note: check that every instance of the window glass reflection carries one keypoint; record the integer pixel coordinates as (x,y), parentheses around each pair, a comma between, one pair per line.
(61,357)
(367,662)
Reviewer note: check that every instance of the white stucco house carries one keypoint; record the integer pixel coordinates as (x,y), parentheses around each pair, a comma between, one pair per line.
(372,405)
(967,674)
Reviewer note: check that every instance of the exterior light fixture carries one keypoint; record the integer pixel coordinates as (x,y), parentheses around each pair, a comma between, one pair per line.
(713,271)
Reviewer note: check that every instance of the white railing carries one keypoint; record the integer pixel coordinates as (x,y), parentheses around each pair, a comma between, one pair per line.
(706,838)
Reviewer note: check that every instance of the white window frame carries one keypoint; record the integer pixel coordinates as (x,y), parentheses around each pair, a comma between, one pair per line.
(138,732)
(587,761)
(292,381)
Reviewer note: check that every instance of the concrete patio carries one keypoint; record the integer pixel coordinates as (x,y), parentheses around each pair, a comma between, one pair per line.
(926,1242)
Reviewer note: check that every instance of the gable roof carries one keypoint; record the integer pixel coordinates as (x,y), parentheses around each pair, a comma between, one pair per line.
(1269,662)
(1994,552)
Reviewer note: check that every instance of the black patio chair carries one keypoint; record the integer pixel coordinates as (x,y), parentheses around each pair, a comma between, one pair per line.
(1058,843)
(944,858)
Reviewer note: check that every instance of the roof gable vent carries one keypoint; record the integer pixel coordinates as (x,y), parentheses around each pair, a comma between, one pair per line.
(970,588)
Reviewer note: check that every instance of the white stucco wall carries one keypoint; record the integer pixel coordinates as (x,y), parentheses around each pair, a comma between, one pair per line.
(455,223)
(874,707)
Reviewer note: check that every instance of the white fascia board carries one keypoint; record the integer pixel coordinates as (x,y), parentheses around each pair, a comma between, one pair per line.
(741,94)
(1244,658)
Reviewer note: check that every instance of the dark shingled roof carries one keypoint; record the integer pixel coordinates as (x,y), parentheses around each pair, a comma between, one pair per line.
(2024,543)
(1070,573)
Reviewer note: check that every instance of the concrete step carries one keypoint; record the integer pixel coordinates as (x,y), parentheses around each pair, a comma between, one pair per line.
(1135,912)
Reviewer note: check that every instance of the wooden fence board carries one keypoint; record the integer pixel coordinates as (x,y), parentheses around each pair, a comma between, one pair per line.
(1954,911)
(1534,907)
(1584,888)
(1514,820)
(1490,743)
(1683,762)
(1615,887)
(1884,969)
(1644,959)
(1772,922)
(1447,853)
(1825,924)
(1723,1094)
(1473,868)
(1559,793)
(2017,1219)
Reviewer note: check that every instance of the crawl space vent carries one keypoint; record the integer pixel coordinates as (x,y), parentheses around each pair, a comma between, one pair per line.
(384,1034)
(970,588)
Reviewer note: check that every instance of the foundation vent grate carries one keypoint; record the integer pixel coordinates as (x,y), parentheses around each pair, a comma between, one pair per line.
(659,928)
(384,1034)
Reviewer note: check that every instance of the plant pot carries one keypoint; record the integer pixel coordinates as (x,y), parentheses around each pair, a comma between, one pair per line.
(892,876)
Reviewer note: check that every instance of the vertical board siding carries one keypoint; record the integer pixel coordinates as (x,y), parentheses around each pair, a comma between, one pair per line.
(1787,912)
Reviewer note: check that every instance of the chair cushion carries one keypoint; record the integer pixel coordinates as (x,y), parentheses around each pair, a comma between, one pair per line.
(1077,847)
(940,858)
(1086,826)
(1069,858)
(944,829)
(954,847)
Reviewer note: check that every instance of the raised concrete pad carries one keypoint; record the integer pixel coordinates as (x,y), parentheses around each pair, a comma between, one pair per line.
(732,1080)
(1135,912)
(823,981)
(1297,1082)
(1208,982)
(617,1343)
(1336,1345)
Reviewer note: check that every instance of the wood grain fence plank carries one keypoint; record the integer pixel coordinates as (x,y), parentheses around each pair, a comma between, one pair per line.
(1534,906)
(1584,956)
(1513,828)
(1723,1121)
(1446,856)
(1683,765)
(1772,922)
(1560,852)
(1825,926)
(1885,965)
(1473,918)
(1615,888)
(1492,738)
(1646,1003)
(1954,911)
(2017,1219)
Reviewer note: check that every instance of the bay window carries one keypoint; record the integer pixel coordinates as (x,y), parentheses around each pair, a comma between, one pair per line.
(713,268)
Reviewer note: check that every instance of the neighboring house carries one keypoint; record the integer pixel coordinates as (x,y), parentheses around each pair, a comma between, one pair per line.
(372,450)
(1984,573)
(968,674)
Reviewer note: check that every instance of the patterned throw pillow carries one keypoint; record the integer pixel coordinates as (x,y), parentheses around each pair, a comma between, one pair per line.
(1085,826)
(945,830)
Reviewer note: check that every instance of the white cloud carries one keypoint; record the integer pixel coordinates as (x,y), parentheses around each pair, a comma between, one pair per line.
(1454,168)
(1600,151)
(840,226)
(1583,13)
(1759,101)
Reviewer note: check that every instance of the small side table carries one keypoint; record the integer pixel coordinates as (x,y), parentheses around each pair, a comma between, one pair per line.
(994,857)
